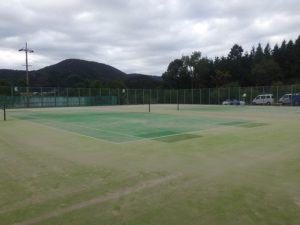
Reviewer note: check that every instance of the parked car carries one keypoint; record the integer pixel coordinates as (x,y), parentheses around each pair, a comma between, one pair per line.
(285,99)
(233,102)
(290,99)
(296,99)
(265,99)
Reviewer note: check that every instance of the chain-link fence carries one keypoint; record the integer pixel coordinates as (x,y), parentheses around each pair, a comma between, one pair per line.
(20,97)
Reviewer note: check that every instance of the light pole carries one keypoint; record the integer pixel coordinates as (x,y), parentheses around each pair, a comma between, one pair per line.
(26,50)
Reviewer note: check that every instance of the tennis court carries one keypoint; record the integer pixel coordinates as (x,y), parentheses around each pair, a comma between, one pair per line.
(123,126)
(186,164)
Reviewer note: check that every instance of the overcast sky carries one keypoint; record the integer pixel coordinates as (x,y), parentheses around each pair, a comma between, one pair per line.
(139,36)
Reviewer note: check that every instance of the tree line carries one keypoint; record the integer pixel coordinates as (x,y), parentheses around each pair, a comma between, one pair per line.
(262,66)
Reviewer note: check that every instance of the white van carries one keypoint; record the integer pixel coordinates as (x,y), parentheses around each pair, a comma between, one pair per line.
(263,99)
(285,99)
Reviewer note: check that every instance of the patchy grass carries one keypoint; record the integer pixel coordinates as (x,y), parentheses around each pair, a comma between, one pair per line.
(203,173)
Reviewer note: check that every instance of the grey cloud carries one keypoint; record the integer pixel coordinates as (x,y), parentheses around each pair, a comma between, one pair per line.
(141,36)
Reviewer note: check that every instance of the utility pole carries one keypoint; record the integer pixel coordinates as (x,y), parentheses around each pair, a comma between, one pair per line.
(26,50)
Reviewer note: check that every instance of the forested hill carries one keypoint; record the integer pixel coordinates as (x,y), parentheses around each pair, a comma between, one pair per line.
(75,72)
(261,66)
(79,73)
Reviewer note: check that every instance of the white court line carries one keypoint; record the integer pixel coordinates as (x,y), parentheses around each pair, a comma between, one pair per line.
(111,142)
(105,131)
(71,132)
(139,139)
(87,136)
(92,128)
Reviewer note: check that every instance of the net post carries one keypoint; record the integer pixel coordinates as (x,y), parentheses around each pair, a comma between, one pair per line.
(177,100)
(150,101)
(4,109)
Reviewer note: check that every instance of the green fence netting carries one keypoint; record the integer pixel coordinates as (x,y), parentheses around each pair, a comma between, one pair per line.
(20,97)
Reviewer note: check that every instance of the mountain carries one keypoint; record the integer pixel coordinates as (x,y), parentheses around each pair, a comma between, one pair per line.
(77,73)
(12,75)
(140,80)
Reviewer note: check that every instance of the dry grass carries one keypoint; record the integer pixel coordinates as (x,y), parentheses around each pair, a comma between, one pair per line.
(229,174)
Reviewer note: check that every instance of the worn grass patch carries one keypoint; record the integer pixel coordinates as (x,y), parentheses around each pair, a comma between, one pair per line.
(233,123)
(157,133)
(251,125)
(177,138)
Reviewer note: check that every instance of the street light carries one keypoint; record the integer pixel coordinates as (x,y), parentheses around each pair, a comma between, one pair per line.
(26,50)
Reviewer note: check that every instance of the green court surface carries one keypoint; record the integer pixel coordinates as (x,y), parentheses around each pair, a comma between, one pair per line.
(125,126)
(124,165)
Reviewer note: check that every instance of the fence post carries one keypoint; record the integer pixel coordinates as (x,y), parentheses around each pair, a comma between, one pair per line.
(67,96)
(41,94)
(277,93)
(149,100)
(292,95)
(27,96)
(55,90)
(209,96)
(79,96)
(143,96)
(11,96)
(4,109)
(200,91)
(228,92)
(192,96)
(177,100)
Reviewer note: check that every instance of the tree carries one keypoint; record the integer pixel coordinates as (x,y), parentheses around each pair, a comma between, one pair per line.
(190,62)
(259,54)
(203,69)
(247,64)
(171,77)
(5,83)
(262,66)
(267,51)
(296,66)
(235,62)
(220,78)
(276,53)
(290,60)
(266,72)
(236,52)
